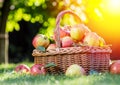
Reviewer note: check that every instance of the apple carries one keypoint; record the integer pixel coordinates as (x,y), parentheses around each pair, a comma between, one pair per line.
(91,39)
(83,27)
(75,70)
(51,46)
(67,41)
(63,32)
(101,42)
(37,69)
(22,68)
(77,34)
(40,40)
(115,67)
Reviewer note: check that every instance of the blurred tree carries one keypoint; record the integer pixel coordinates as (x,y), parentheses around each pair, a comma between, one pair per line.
(13,11)
(4,12)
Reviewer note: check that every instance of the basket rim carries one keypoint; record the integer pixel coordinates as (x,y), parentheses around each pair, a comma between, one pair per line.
(72,50)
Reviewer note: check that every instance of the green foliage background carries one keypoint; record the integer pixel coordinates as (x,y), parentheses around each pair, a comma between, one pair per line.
(42,11)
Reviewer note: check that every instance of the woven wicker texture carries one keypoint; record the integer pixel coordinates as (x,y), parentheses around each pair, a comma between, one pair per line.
(87,57)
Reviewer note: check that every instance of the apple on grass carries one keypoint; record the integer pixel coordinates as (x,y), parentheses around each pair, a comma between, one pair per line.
(40,69)
(22,68)
(75,70)
(37,69)
(115,67)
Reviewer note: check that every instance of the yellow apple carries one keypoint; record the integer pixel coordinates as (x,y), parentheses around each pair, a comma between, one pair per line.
(74,70)
(91,39)
(101,42)
(77,34)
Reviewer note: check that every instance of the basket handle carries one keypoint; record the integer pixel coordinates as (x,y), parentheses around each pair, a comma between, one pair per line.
(57,30)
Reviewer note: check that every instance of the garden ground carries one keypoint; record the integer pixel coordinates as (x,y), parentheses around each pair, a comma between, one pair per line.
(8,77)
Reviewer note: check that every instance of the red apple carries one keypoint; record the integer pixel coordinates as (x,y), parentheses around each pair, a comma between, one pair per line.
(37,69)
(40,40)
(91,39)
(67,42)
(22,68)
(63,32)
(51,46)
(115,67)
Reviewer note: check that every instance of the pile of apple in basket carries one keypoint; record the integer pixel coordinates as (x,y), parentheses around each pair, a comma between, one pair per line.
(69,36)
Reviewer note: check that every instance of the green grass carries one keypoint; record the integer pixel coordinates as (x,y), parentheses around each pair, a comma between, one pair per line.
(8,77)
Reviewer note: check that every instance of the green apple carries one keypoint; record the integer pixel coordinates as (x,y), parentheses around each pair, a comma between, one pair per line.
(74,70)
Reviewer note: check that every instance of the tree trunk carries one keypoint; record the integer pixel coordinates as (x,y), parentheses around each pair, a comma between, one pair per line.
(3,35)
(4,48)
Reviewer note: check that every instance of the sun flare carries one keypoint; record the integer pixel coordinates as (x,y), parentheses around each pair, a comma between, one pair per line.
(112,6)
(114,3)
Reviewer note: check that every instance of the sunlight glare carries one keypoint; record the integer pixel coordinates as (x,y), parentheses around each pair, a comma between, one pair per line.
(98,12)
(113,6)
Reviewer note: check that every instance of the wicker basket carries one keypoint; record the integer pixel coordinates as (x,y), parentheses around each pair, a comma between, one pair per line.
(96,58)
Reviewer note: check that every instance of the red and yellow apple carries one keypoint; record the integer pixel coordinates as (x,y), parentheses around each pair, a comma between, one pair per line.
(67,41)
(91,39)
(37,69)
(77,34)
(51,46)
(75,70)
(115,67)
(63,33)
(22,68)
(40,40)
